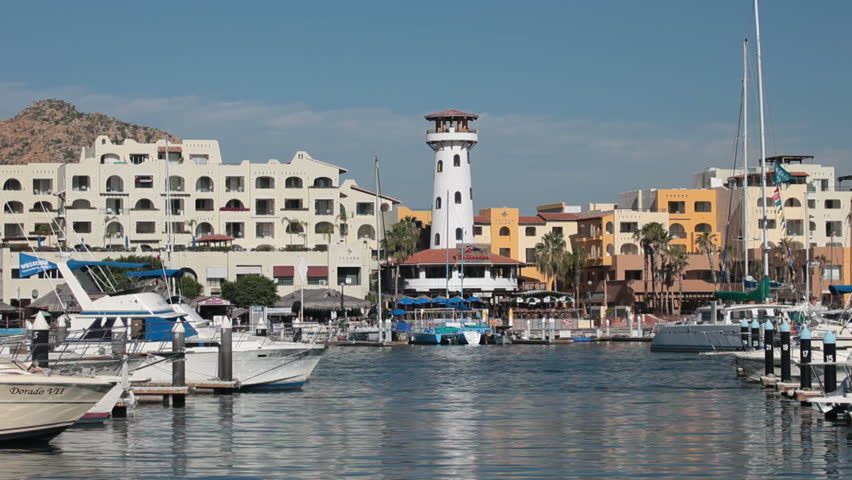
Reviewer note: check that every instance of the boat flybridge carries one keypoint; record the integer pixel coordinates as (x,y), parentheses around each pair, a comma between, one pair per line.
(148,321)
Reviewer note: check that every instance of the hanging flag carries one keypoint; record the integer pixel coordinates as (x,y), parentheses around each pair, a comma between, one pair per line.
(30,265)
(781,175)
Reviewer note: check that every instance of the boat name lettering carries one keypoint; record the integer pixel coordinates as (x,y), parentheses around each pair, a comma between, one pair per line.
(37,391)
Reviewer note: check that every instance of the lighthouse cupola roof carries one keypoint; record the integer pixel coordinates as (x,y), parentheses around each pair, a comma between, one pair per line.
(447,114)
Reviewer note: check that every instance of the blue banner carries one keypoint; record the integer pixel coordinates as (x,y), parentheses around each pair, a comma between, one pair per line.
(30,265)
(781,175)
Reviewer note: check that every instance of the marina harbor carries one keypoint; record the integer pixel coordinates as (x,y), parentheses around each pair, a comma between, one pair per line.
(605,240)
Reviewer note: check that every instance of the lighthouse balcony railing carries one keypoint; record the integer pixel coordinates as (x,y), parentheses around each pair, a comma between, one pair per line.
(450,130)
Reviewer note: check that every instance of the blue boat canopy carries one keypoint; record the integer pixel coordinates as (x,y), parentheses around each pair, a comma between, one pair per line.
(840,289)
(169,272)
(78,264)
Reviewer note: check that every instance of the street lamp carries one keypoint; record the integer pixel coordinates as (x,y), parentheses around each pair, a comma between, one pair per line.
(589,298)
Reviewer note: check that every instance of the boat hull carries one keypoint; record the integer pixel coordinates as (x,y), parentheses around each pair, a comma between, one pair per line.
(696,338)
(103,409)
(37,408)
(469,337)
(268,368)
(424,338)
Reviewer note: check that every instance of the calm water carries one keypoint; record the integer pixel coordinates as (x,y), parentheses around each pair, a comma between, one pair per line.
(573,411)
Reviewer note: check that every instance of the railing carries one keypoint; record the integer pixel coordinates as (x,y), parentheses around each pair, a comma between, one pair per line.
(451,130)
(234,209)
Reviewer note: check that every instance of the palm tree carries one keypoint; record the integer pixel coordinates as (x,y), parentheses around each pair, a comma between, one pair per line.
(571,268)
(400,243)
(823,262)
(706,243)
(654,240)
(550,255)
(288,228)
(784,245)
(677,261)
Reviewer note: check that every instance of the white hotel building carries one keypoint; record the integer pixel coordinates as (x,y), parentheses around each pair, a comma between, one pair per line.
(116,198)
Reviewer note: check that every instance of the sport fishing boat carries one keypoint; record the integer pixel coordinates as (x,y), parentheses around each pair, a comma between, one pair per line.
(259,362)
(38,407)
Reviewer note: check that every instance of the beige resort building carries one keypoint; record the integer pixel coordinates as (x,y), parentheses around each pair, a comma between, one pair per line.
(116,197)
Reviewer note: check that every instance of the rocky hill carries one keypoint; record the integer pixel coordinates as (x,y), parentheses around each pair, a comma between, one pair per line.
(53,131)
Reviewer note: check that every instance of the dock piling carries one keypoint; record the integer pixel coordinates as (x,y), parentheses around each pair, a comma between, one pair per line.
(786,374)
(744,334)
(805,358)
(768,347)
(755,335)
(178,364)
(226,364)
(829,348)
(41,341)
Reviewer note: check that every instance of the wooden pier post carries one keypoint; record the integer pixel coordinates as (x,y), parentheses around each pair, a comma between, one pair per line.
(755,335)
(829,349)
(179,363)
(786,374)
(226,362)
(40,347)
(744,331)
(768,348)
(805,358)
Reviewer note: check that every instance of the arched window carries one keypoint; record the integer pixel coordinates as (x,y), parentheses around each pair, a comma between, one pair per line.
(440,166)
(144,204)
(293,182)
(610,250)
(203,229)
(322,182)
(12,185)
(504,231)
(456,161)
(114,184)
(437,239)
(42,207)
(792,202)
(366,232)
(114,230)
(703,228)
(608,227)
(13,207)
(459,234)
(81,204)
(458,197)
(234,203)
(677,231)
(629,249)
(295,227)
(264,183)
(175,183)
(204,184)
(812,226)
(323,227)
(438,203)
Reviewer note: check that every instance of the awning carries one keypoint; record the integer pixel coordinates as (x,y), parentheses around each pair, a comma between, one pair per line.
(758,295)
(840,289)
(77,264)
(248,270)
(317,272)
(283,271)
(169,272)
(217,272)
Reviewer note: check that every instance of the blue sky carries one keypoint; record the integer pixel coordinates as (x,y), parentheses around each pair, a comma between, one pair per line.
(579,100)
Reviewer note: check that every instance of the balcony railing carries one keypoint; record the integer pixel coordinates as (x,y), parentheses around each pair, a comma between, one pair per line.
(234,209)
(451,130)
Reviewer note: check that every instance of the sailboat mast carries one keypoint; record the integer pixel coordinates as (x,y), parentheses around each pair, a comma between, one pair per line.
(762,139)
(746,205)
(379,321)
(169,239)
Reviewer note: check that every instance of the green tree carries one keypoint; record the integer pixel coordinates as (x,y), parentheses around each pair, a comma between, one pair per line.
(106,276)
(676,262)
(572,265)
(550,256)
(188,287)
(706,243)
(250,290)
(400,243)
(654,240)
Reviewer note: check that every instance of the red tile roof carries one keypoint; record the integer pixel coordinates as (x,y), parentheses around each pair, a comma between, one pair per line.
(530,219)
(482,219)
(438,256)
(451,114)
(558,216)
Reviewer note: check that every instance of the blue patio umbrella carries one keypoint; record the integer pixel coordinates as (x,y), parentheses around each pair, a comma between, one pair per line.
(474,299)
(406,301)
(454,300)
(439,299)
(398,312)
(423,300)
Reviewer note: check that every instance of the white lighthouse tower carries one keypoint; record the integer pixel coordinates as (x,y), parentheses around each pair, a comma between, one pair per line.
(452,138)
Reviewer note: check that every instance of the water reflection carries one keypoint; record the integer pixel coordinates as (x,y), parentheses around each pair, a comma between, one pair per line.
(579,411)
